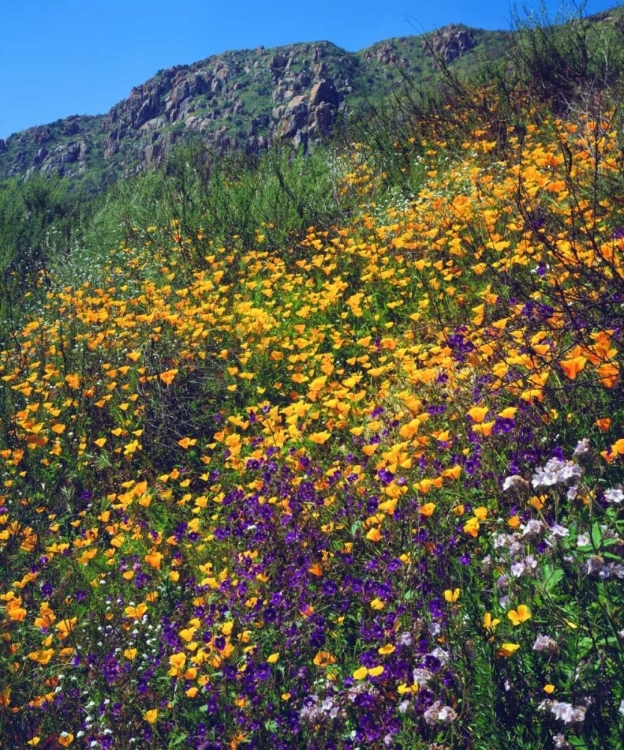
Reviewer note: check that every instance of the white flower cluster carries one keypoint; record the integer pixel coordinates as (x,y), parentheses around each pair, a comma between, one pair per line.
(545,643)
(316,711)
(565,712)
(561,743)
(556,472)
(439,714)
(614,495)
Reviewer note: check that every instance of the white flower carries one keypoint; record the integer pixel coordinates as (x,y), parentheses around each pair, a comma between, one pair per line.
(421,676)
(432,713)
(582,448)
(447,715)
(517,569)
(515,482)
(555,472)
(567,713)
(583,540)
(562,711)
(532,527)
(557,531)
(614,495)
(545,643)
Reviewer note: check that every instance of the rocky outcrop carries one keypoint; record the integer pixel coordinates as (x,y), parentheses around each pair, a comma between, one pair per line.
(236,100)
(449,43)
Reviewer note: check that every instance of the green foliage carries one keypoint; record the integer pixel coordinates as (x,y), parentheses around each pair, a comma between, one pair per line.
(569,58)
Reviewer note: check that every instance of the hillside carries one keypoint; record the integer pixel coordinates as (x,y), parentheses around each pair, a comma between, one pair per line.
(236,100)
(326,451)
(249,99)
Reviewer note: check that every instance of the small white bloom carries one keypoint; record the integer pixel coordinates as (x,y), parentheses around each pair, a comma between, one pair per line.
(545,643)
(532,527)
(582,448)
(557,531)
(614,495)
(555,472)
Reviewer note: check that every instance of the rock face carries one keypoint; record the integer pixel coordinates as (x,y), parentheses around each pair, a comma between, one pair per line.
(245,99)
(449,43)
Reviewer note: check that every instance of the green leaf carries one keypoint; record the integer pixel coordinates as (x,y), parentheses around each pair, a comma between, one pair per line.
(596,535)
(551,577)
(178,739)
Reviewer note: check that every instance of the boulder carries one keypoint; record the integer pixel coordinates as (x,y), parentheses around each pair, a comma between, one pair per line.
(324,91)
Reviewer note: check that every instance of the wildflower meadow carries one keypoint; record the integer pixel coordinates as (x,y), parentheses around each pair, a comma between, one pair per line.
(358,485)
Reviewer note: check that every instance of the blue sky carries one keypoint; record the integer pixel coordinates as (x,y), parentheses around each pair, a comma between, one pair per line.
(65,57)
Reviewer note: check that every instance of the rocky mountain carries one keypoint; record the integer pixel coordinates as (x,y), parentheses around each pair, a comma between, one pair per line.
(244,99)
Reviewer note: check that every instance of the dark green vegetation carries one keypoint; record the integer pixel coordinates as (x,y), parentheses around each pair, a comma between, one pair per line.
(326,450)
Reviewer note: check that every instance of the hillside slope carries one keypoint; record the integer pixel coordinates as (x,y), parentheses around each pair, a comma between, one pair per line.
(236,100)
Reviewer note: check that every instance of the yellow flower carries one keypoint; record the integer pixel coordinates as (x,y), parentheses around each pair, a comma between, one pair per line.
(490,623)
(65,627)
(519,615)
(360,673)
(405,688)
(65,739)
(130,653)
(374,535)
(177,662)
(376,671)
(427,510)
(154,559)
(324,658)
(41,657)
(377,604)
(484,429)
(187,442)
(550,689)
(168,376)
(320,437)
(151,715)
(451,596)
(273,658)
(73,381)
(507,649)
(136,612)
(471,527)
(478,413)
(572,367)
